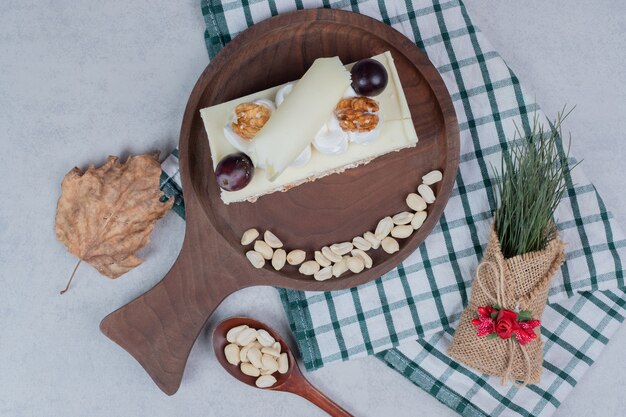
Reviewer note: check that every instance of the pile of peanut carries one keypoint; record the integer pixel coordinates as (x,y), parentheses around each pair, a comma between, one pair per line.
(338,258)
(257,353)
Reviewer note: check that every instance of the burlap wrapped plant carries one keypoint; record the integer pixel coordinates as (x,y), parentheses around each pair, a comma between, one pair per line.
(499,331)
(516,284)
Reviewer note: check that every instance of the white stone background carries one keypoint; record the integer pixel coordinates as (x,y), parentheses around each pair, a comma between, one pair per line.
(80,80)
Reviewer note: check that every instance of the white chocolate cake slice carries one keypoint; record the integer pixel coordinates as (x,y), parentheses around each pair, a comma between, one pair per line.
(270,153)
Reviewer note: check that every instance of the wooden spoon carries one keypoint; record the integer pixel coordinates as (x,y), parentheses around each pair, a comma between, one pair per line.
(293,381)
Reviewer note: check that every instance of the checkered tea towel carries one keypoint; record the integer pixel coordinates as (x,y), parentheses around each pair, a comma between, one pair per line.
(407,317)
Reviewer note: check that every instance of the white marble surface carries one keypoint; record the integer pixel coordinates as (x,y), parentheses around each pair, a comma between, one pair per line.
(80,80)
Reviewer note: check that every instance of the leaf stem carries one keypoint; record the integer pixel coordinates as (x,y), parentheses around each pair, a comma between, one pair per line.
(67,287)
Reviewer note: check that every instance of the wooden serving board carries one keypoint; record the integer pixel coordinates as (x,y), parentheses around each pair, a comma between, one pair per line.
(160,327)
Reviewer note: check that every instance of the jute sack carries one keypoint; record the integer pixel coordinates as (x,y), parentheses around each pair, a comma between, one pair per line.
(518,283)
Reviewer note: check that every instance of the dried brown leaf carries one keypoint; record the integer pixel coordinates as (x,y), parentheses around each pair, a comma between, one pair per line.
(105,215)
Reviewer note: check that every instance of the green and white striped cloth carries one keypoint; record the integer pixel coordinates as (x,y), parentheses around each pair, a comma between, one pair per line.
(407,317)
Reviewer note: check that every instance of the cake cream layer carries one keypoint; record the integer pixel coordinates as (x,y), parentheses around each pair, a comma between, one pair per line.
(397,132)
(301,115)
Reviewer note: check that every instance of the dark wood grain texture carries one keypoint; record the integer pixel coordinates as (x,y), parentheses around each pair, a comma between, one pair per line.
(293,381)
(160,327)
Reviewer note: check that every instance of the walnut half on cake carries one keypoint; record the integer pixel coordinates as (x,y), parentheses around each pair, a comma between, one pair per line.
(313,127)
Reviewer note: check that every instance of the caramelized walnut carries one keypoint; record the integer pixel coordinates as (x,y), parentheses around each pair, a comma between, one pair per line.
(355,114)
(358,103)
(251,117)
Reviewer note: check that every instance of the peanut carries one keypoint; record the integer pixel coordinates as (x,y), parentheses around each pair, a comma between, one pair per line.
(367,260)
(249,236)
(231,335)
(361,243)
(383,228)
(278,259)
(283,363)
(265,338)
(402,218)
(249,369)
(271,239)
(321,259)
(369,236)
(309,268)
(265,381)
(341,248)
(355,264)
(324,273)
(402,232)
(255,258)
(432,177)
(330,255)
(340,267)
(296,257)
(390,245)
(415,202)
(231,352)
(427,193)
(264,249)
(418,219)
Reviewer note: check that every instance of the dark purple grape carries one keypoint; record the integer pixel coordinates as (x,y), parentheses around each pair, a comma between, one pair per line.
(369,77)
(234,171)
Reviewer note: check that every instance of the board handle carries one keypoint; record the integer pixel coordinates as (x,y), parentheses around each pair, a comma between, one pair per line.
(160,327)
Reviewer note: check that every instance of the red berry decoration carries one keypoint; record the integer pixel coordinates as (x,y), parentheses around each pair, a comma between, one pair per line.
(495,322)
(234,171)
